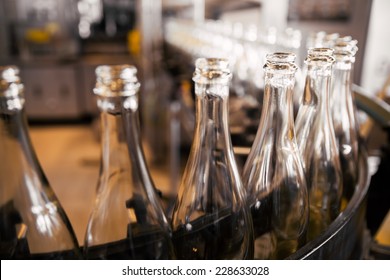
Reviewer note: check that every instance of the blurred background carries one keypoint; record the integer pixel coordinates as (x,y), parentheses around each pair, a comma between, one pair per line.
(58,43)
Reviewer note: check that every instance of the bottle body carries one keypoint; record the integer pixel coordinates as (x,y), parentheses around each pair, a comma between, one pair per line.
(317,144)
(33,223)
(210,219)
(127,221)
(273,173)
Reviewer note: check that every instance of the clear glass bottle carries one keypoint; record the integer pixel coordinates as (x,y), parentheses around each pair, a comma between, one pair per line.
(127,221)
(33,224)
(344,114)
(273,173)
(317,144)
(309,101)
(210,219)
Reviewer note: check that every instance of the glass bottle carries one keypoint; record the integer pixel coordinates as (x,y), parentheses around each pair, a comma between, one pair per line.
(317,144)
(210,219)
(127,221)
(273,173)
(344,114)
(33,224)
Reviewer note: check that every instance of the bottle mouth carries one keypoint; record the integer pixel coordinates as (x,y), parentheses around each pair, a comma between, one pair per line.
(123,71)
(208,64)
(116,80)
(346,48)
(320,57)
(212,70)
(283,62)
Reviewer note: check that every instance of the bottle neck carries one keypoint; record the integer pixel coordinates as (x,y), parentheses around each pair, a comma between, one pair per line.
(341,95)
(116,89)
(130,118)
(342,73)
(319,83)
(119,131)
(212,115)
(17,153)
(277,115)
(122,153)
(113,141)
(13,118)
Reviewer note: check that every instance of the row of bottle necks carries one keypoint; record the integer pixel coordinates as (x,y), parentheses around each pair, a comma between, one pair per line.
(233,231)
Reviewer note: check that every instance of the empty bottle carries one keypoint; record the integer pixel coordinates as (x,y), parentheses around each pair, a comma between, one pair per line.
(127,221)
(317,144)
(344,114)
(33,225)
(273,173)
(210,219)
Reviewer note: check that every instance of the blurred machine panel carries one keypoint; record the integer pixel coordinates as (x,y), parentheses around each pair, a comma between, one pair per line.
(51,92)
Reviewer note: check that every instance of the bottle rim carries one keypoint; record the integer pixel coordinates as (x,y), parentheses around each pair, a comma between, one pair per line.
(123,71)
(283,62)
(116,80)
(320,57)
(212,70)
(346,48)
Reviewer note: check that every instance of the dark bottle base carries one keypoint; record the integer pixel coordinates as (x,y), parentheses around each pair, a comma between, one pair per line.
(267,244)
(213,236)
